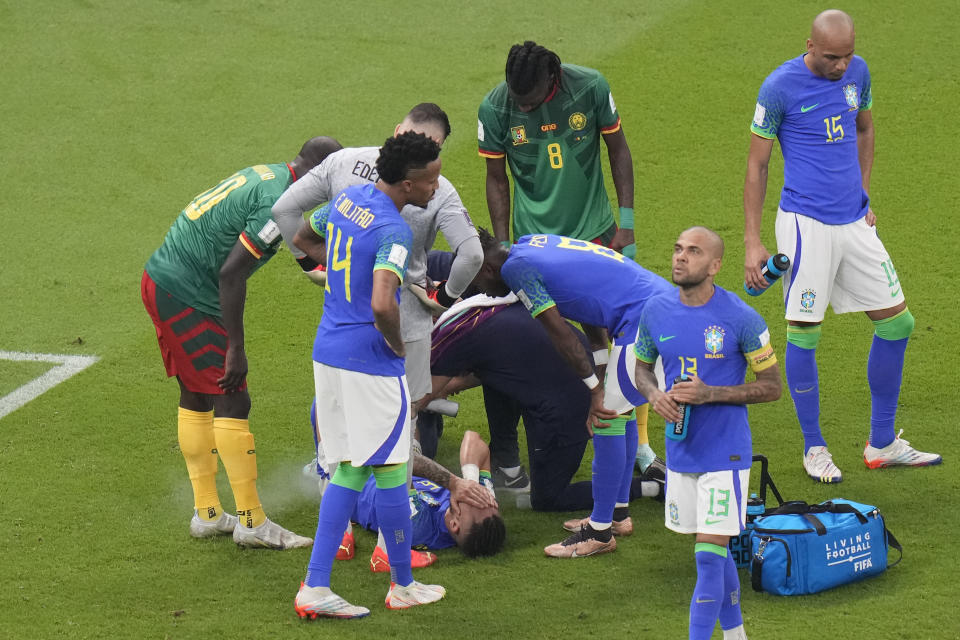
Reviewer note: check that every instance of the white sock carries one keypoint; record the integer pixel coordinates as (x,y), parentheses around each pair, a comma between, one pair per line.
(380,541)
(649,489)
(470,472)
(511,472)
(596,526)
(737,633)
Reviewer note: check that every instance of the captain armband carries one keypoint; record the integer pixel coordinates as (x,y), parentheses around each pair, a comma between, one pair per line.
(762,358)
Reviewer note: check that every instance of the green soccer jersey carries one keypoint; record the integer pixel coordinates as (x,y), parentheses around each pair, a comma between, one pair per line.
(188,262)
(554,154)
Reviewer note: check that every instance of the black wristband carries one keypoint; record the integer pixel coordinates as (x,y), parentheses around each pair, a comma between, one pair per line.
(307,263)
(443,297)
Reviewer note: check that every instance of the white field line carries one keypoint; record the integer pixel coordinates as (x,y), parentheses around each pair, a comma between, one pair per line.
(67,367)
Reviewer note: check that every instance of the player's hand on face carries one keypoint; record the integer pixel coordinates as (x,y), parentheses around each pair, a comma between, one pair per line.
(234,369)
(692,391)
(871,218)
(665,406)
(471,493)
(756,256)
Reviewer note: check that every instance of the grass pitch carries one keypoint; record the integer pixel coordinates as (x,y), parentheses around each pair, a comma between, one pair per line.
(117,113)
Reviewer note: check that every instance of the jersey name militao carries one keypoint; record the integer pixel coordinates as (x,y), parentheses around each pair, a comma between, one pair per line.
(364,233)
(445,212)
(554,154)
(428,506)
(586,282)
(188,262)
(815,120)
(716,342)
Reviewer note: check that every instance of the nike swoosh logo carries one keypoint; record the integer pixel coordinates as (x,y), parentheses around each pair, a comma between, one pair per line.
(799,390)
(708,521)
(805,109)
(894,294)
(664,339)
(702,600)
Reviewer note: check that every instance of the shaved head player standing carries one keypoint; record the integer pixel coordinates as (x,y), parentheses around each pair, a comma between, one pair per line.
(708,336)
(818,106)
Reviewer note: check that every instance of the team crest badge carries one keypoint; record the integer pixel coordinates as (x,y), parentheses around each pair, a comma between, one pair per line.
(518,135)
(674,513)
(851,95)
(807,298)
(577,121)
(713,339)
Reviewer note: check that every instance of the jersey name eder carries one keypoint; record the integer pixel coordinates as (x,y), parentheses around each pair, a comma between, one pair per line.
(445,211)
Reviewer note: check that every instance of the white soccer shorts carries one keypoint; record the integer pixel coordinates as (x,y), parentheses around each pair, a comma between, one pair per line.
(362,418)
(845,266)
(714,502)
(620,387)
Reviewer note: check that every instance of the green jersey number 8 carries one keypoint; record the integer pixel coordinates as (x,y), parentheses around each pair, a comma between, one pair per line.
(554,153)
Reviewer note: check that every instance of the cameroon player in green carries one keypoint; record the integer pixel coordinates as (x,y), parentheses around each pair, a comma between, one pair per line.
(194,288)
(546,121)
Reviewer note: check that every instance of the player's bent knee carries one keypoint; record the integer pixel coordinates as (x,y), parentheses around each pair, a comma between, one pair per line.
(805,337)
(895,327)
(389,476)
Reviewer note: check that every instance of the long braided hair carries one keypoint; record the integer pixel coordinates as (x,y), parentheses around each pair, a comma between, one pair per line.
(528,64)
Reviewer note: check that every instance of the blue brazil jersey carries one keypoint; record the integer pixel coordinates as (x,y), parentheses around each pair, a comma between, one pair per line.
(428,505)
(815,120)
(715,341)
(586,282)
(364,233)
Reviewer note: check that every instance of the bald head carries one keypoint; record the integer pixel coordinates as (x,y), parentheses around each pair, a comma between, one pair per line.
(832,23)
(831,43)
(312,153)
(697,256)
(708,239)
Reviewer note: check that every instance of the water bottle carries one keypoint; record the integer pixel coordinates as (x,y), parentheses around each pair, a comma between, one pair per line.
(678,430)
(772,269)
(755,507)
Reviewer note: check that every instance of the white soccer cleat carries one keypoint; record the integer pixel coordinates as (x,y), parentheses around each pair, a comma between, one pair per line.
(222,526)
(313,602)
(269,535)
(898,453)
(412,595)
(818,464)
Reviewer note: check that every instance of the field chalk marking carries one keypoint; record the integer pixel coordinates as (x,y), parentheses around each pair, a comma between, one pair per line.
(67,367)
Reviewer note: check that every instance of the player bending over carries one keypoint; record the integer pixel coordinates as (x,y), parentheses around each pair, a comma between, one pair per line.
(194,287)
